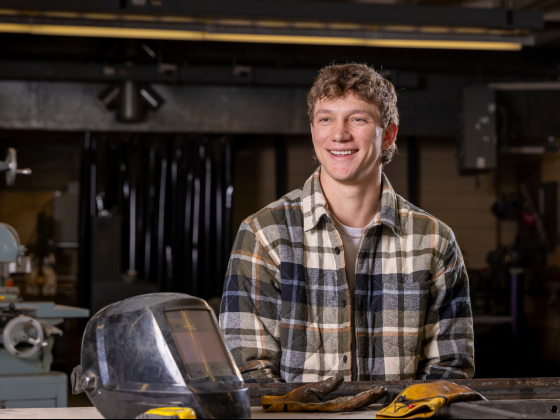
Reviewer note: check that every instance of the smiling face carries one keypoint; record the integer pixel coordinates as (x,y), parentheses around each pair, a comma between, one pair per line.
(349,139)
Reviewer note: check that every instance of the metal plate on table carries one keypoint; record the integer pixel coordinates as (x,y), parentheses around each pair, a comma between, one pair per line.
(520,409)
(492,389)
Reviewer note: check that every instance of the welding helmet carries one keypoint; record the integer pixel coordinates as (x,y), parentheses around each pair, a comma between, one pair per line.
(159,350)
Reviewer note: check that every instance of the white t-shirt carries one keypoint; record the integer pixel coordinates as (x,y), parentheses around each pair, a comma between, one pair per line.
(351,240)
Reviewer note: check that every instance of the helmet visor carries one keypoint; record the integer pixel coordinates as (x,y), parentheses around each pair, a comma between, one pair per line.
(199,343)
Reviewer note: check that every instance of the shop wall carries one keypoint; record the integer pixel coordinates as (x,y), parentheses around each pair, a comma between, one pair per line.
(462,202)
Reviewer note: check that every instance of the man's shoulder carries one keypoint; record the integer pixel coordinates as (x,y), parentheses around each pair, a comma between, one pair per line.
(413,221)
(276,224)
(287,211)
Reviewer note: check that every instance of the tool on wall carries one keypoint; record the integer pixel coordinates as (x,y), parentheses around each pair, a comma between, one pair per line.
(156,351)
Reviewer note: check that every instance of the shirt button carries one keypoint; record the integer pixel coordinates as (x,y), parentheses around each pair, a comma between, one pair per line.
(337,250)
(345,359)
(344,304)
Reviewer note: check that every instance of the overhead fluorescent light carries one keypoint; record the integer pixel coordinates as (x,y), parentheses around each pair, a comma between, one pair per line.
(179,35)
(445,44)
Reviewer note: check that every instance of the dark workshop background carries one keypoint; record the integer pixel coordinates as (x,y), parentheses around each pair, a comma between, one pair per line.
(148,153)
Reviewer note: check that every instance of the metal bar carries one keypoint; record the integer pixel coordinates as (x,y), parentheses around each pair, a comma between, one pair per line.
(491,320)
(162,275)
(516,312)
(197,216)
(519,409)
(525,86)
(413,171)
(150,221)
(471,411)
(133,266)
(199,75)
(492,389)
(75,71)
(219,195)
(177,226)
(280,147)
(188,236)
(541,408)
(302,10)
(124,202)
(92,72)
(228,205)
(87,200)
(207,264)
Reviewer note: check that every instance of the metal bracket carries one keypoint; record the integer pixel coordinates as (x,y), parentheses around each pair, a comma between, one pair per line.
(81,383)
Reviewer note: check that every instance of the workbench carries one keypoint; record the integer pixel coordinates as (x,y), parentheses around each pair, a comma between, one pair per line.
(536,409)
(492,389)
(521,398)
(92,413)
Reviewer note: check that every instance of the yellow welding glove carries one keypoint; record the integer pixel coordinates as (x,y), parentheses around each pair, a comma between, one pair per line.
(423,400)
(310,398)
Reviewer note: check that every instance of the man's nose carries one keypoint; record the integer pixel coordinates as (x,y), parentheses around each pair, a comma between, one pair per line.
(341,132)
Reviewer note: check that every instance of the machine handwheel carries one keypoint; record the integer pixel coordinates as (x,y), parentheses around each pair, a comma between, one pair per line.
(12,167)
(23,331)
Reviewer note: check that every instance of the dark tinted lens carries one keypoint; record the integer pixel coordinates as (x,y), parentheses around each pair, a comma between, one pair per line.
(199,343)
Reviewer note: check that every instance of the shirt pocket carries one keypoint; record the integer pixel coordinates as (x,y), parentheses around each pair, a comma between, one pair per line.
(403,317)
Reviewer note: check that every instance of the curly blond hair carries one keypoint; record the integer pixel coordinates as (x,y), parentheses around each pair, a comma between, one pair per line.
(339,80)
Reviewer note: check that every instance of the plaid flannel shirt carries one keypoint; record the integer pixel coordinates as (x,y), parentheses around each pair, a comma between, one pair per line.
(286,307)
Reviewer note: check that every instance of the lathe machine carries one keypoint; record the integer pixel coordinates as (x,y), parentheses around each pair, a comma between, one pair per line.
(27,329)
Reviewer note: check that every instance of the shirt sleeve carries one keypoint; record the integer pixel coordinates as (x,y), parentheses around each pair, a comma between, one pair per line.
(250,310)
(448,345)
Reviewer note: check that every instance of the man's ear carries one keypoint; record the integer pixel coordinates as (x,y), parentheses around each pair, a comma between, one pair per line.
(389,136)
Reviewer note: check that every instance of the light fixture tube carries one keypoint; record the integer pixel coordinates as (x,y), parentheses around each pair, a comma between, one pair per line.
(177,35)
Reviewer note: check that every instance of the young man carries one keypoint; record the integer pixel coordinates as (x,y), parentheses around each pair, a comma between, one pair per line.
(343,275)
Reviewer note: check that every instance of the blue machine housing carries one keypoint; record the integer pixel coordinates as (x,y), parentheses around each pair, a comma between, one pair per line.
(10,247)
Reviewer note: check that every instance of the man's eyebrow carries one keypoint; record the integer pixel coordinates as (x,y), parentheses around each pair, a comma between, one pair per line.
(353,111)
(359,111)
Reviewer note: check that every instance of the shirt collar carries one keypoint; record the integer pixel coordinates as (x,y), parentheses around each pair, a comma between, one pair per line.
(315,205)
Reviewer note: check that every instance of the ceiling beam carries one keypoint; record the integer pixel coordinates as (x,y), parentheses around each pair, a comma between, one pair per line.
(176,28)
(320,11)
(174,74)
